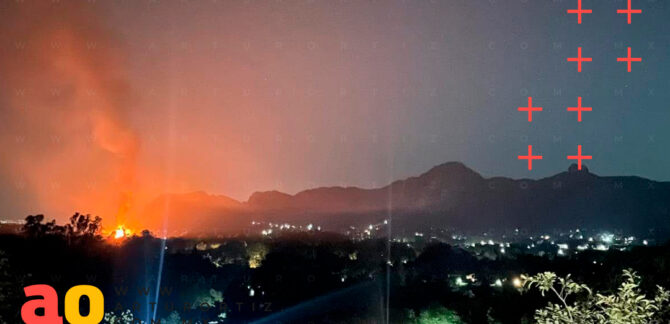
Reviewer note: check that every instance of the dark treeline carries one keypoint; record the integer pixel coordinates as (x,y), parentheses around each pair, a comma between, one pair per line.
(299,277)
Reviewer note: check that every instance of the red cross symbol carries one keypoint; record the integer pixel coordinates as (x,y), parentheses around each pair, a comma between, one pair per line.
(530,157)
(579,109)
(579,157)
(530,109)
(629,11)
(579,11)
(579,59)
(629,59)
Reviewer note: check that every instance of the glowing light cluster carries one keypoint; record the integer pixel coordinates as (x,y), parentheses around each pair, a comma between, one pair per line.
(121,232)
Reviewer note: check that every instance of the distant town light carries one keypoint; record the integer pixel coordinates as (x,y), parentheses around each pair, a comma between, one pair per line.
(460,282)
(607,238)
(602,247)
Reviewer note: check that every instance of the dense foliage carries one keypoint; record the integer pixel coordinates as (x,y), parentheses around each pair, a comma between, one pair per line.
(627,306)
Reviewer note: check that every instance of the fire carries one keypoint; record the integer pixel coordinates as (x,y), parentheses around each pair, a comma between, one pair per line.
(121,232)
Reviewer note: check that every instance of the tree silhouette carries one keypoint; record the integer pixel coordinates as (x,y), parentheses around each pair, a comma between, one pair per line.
(80,227)
(83,226)
(35,228)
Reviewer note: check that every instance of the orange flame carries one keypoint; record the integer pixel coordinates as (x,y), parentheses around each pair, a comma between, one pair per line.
(121,232)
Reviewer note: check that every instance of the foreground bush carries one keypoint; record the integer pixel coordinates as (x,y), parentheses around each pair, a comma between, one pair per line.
(578,304)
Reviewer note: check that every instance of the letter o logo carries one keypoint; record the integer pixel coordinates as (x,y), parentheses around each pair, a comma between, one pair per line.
(96,301)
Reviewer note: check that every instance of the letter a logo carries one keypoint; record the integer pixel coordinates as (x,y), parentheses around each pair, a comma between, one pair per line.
(49,303)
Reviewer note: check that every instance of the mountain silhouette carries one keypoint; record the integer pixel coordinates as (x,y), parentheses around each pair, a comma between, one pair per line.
(448,195)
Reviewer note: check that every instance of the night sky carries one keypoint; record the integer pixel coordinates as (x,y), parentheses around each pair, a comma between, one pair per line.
(232,97)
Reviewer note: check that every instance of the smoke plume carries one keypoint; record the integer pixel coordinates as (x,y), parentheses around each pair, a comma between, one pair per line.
(64,105)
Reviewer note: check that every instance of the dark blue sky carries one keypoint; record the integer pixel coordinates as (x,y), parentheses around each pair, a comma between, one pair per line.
(382,90)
